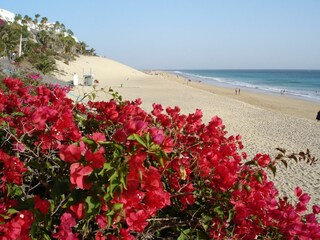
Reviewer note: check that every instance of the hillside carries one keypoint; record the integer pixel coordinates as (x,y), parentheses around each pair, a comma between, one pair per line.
(39,42)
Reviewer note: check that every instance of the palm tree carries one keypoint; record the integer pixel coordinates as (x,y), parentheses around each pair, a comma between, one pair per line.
(10,37)
(2,48)
(92,52)
(2,36)
(69,31)
(44,20)
(44,38)
(82,47)
(69,43)
(36,20)
(56,26)
(27,19)
(43,23)
(62,28)
(18,17)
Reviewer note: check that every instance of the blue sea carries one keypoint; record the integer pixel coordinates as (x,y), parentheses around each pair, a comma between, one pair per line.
(296,83)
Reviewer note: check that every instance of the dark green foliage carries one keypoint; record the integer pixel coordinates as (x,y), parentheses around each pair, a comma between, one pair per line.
(40,47)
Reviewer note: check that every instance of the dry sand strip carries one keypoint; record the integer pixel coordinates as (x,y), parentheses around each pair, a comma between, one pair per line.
(264,121)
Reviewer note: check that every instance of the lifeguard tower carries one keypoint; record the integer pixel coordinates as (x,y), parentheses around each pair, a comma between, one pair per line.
(88,78)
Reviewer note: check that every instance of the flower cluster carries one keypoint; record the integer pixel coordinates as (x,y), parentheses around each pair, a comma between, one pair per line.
(110,170)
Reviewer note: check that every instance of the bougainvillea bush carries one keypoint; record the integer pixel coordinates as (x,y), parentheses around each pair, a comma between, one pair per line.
(110,170)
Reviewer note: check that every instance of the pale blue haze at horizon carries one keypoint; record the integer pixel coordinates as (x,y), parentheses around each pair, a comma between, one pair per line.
(191,34)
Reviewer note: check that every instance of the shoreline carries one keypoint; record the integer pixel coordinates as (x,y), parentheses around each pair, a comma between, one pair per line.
(265,122)
(275,91)
(286,104)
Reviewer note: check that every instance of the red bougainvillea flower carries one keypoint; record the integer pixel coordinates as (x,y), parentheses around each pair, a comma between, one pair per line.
(78,210)
(102,221)
(316,209)
(98,137)
(13,169)
(79,174)
(96,159)
(202,173)
(41,115)
(304,198)
(137,220)
(262,159)
(298,191)
(99,236)
(70,153)
(42,204)
(65,229)
(34,76)
(18,227)
(13,84)
(125,234)
(19,147)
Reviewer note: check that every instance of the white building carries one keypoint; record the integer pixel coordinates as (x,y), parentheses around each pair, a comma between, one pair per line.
(9,17)
(6,15)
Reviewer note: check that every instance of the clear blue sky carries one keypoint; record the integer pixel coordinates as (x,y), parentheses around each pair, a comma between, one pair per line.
(191,34)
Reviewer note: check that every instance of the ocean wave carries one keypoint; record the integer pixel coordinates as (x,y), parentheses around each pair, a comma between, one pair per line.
(274,86)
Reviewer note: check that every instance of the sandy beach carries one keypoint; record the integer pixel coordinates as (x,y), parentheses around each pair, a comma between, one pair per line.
(264,121)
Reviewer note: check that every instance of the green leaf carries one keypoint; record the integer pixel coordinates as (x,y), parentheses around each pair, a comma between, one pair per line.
(205,221)
(184,234)
(201,235)
(112,186)
(282,150)
(153,147)
(92,205)
(138,139)
(106,143)
(218,211)
(123,180)
(161,162)
(106,168)
(114,176)
(46,237)
(88,141)
(258,176)
(14,190)
(12,211)
(252,162)
(247,187)
(114,182)
(110,216)
(118,207)
(230,216)
(279,156)
(148,139)
(273,168)
(285,163)
(292,156)
(17,114)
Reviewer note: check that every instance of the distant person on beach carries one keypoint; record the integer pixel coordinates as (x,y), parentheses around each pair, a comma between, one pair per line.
(236,91)
(75,80)
(318,116)
(239,91)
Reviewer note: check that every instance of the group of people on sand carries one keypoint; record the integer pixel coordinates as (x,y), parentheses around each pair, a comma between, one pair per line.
(237,91)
